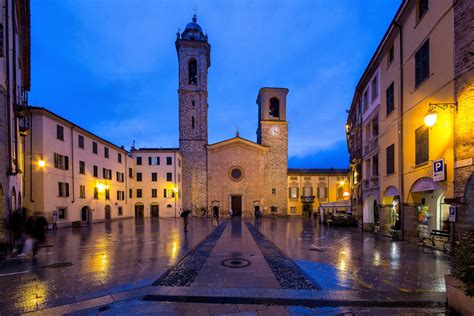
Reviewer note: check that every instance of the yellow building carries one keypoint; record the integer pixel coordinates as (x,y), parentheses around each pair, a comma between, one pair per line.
(308,189)
(415,62)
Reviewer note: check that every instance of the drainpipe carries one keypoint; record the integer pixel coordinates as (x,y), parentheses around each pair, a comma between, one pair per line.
(72,162)
(15,119)
(400,138)
(7,84)
(176,192)
(31,157)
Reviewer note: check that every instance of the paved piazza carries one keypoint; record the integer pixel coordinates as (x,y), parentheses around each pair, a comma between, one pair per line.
(235,267)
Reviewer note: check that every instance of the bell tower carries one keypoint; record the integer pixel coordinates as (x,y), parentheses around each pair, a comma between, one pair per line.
(194,54)
(273,132)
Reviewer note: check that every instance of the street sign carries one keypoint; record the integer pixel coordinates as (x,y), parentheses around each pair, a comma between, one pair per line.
(439,170)
(452,213)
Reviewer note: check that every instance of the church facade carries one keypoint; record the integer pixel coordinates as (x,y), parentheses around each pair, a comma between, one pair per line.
(235,174)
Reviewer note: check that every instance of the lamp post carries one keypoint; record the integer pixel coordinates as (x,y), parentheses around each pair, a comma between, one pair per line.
(175,190)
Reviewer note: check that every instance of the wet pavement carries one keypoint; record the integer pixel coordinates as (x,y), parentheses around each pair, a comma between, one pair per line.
(115,264)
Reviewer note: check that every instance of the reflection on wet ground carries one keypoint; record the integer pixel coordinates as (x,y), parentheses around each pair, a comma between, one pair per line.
(106,258)
(346,258)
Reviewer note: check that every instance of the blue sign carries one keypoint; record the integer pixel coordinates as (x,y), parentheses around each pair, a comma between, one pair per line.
(439,170)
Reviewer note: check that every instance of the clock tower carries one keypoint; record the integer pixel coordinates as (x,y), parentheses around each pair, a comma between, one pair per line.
(273,133)
(194,60)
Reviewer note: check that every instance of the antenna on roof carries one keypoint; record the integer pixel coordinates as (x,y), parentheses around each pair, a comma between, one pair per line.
(133,145)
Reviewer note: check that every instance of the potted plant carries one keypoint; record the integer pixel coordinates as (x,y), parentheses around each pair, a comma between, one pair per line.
(460,285)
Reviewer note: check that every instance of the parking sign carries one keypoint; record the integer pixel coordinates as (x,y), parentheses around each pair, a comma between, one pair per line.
(439,170)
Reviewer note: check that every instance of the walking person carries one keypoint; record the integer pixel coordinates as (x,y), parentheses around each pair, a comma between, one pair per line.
(35,234)
(185,215)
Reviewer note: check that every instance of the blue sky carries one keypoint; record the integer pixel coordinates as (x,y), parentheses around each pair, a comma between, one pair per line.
(110,66)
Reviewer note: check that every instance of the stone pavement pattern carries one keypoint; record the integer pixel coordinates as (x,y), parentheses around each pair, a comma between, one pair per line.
(344,259)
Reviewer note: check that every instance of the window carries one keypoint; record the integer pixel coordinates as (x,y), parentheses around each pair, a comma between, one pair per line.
(80,141)
(61,162)
(179,177)
(192,71)
(375,165)
(120,211)
(390,99)
(192,122)
(292,210)
(274,191)
(96,171)
(179,162)
(322,192)
(422,63)
(106,152)
(308,191)
(62,213)
(82,191)
(339,192)
(169,161)
(391,54)
(120,195)
(120,177)
(390,152)
(165,193)
(130,193)
(293,193)
(94,147)
(59,132)
(107,173)
(96,193)
(154,176)
(82,167)
(63,189)
(154,193)
(375,87)
(154,161)
(193,103)
(365,99)
(139,193)
(421,9)
(169,176)
(421,145)
(139,176)
(274,110)
(375,126)
(130,173)
(107,194)
(119,157)
(139,161)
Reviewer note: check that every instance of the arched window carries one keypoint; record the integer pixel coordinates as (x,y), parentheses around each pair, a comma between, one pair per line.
(274,107)
(192,121)
(192,71)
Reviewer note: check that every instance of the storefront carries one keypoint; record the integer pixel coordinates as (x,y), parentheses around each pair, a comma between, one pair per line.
(390,217)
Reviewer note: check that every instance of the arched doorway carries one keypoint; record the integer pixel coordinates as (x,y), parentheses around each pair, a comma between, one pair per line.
(154,210)
(108,213)
(13,199)
(425,194)
(370,204)
(139,210)
(86,214)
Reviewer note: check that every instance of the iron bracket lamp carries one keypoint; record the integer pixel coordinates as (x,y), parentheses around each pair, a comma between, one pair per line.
(431,115)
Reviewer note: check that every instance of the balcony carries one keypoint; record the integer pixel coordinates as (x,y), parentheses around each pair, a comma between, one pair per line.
(21,103)
(370,145)
(374,182)
(365,184)
(307,199)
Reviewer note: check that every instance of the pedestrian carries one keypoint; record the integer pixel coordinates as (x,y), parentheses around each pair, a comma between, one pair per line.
(216,212)
(185,215)
(35,234)
(230,212)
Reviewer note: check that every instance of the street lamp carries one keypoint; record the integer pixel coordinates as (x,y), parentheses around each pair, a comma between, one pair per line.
(41,163)
(431,115)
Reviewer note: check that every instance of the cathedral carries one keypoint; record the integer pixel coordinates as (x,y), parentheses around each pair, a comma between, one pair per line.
(234,174)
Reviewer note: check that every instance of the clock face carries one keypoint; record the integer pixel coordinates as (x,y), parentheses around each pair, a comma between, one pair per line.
(274,130)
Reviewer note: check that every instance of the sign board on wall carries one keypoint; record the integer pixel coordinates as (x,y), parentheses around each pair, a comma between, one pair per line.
(452,213)
(439,170)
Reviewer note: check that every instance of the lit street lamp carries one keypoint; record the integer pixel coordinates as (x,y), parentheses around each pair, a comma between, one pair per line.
(431,115)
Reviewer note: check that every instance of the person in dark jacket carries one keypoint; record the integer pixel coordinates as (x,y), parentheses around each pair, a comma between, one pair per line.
(35,229)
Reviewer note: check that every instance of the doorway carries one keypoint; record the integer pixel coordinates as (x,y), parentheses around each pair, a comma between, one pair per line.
(155,210)
(86,214)
(108,213)
(139,210)
(236,205)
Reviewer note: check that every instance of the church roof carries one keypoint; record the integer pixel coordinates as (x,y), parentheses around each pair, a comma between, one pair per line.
(193,31)
(237,141)
(317,171)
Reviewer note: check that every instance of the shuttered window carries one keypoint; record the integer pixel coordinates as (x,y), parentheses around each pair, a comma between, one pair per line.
(390,153)
(421,145)
(390,99)
(422,63)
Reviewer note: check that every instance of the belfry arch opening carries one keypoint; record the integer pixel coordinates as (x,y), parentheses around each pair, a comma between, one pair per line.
(192,71)
(274,109)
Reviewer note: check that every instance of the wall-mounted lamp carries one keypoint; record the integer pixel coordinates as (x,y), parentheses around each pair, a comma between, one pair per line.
(431,115)
(41,163)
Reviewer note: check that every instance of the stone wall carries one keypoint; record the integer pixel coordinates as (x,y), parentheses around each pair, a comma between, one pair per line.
(4,187)
(464,118)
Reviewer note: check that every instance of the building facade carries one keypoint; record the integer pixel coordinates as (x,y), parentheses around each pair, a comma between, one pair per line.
(309,189)
(416,64)
(14,87)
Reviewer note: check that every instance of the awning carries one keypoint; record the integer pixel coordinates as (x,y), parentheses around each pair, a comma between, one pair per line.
(391,191)
(425,184)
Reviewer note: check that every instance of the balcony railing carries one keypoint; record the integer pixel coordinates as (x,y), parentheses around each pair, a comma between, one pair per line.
(371,145)
(307,198)
(374,182)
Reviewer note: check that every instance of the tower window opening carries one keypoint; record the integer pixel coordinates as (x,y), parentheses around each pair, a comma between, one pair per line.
(193,103)
(274,107)
(192,71)
(192,122)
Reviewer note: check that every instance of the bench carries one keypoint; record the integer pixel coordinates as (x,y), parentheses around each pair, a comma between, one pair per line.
(443,234)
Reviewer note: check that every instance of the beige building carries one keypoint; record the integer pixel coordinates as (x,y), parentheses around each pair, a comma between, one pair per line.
(14,87)
(157,182)
(415,60)
(310,189)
